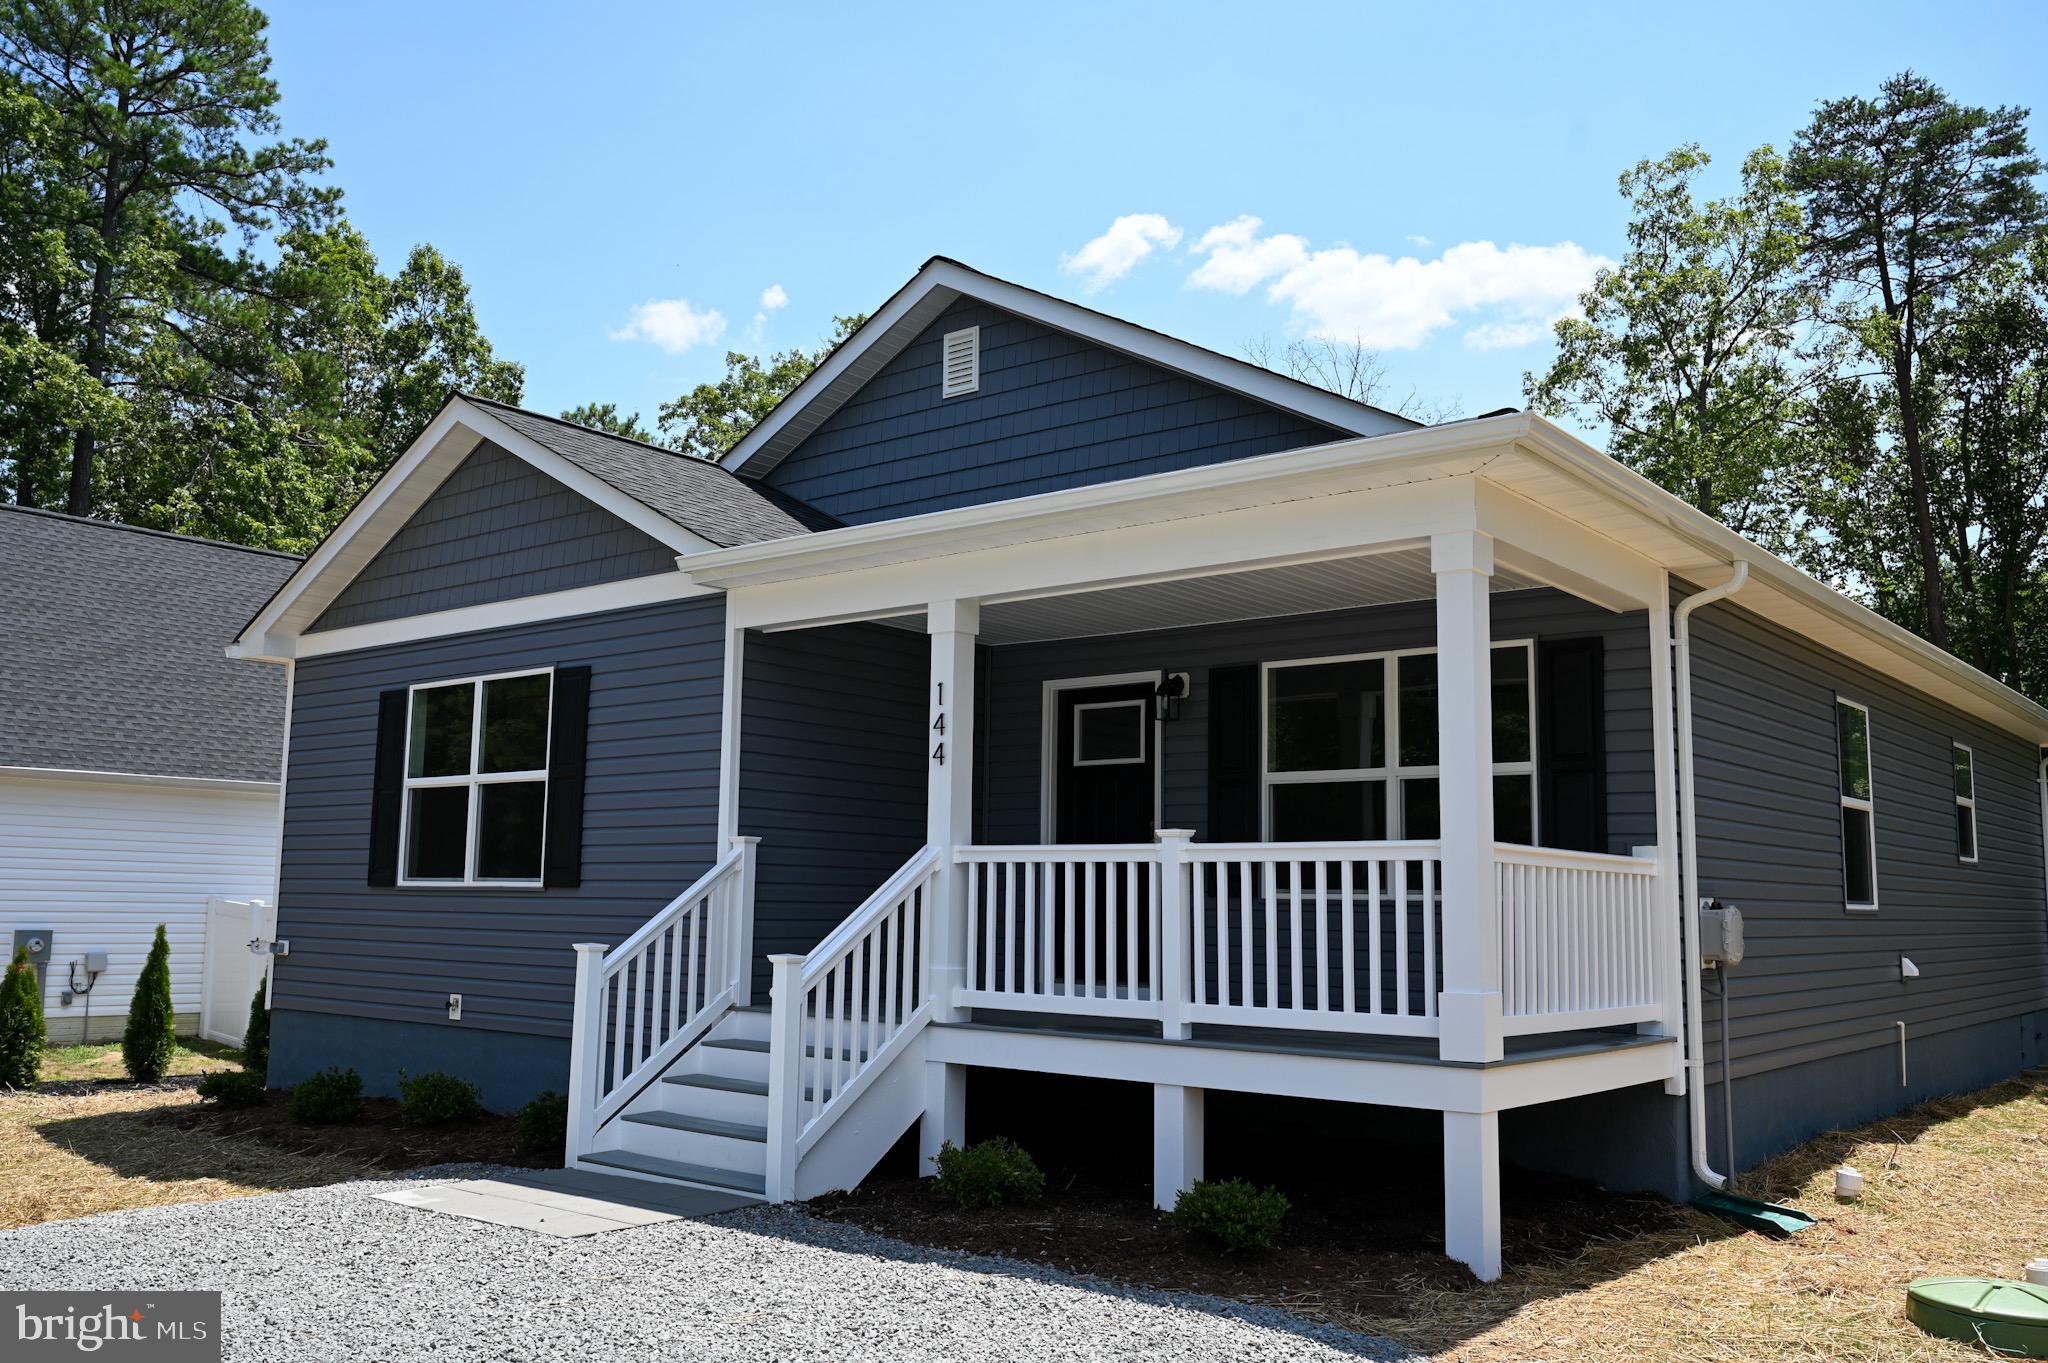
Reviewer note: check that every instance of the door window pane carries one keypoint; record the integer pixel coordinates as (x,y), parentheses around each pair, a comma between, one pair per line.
(1418,710)
(1327,717)
(516,723)
(1329,811)
(1110,732)
(441,730)
(437,833)
(1511,704)
(509,819)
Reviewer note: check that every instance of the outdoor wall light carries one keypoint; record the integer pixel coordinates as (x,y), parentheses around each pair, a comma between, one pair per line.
(1167,696)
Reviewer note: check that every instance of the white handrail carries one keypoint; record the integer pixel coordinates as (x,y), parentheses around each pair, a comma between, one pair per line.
(842,1013)
(1579,941)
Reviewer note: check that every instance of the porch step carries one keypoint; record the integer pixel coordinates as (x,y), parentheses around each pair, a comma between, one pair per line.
(752,1047)
(704,1126)
(700,1174)
(756,1088)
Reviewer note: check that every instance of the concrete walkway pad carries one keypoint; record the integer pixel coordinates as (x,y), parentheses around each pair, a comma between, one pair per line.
(566,1202)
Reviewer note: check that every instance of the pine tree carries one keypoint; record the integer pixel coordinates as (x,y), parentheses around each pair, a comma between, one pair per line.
(152,1034)
(256,1041)
(21,1024)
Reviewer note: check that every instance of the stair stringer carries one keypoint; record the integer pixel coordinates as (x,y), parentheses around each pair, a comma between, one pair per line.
(849,1149)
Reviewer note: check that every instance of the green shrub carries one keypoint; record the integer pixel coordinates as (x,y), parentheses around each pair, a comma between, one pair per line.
(21,1024)
(151,1037)
(233,1088)
(256,1041)
(544,1124)
(436,1099)
(988,1173)
(333,1095)
(1233,1213)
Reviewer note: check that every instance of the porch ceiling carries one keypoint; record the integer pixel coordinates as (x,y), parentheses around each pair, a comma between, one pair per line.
(1378,579)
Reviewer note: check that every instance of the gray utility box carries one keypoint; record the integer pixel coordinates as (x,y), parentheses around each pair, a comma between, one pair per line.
(38,941)
(1720,933)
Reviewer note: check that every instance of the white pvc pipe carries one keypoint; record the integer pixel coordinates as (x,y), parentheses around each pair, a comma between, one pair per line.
(1689,877)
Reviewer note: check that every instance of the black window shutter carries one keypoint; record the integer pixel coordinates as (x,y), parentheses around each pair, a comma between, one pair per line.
(568,727)
(387,788)
(1234,753)
(1571,700)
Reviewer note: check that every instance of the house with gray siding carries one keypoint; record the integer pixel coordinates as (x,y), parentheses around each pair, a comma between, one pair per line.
(1034,692)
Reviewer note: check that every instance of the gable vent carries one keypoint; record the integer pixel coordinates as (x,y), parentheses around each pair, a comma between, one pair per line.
(960,363)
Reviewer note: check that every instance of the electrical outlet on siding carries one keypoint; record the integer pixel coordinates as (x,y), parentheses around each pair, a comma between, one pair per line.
(455,1007)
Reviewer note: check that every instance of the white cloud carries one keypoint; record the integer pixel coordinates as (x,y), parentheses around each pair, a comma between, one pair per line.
(1509,295)
(1419,242)
(672,324)
(1114,254)
(774,297)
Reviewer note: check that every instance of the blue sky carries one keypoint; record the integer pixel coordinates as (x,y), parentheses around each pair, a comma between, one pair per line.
(610,176)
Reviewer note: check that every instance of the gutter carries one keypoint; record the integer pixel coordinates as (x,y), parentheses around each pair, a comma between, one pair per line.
(1689,877)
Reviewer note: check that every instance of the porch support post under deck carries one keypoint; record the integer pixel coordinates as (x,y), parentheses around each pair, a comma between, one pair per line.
(1176,1141)
(949,822)
(1469,1008)
(1472,1191)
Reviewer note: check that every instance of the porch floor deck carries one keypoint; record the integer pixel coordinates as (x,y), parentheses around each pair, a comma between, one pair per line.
(1404,1050)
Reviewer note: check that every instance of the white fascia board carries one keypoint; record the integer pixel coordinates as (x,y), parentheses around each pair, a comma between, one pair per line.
(451,437)
(1132,501)
(218,785)
(524,610)
(754,455)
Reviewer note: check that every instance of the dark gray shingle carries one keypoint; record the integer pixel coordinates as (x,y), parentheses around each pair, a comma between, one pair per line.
(110,651)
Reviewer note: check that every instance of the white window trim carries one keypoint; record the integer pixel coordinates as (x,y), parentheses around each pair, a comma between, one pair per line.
(1144,709)
(1968,802)
(1868,806)
(1394,772)
(475,781)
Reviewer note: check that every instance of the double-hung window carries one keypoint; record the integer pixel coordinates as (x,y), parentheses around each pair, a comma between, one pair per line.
(1966,802)
(1351,747)
(1859,809)
(476,780)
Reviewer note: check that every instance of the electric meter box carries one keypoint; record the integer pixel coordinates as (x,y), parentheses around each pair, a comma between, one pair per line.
(1720,933)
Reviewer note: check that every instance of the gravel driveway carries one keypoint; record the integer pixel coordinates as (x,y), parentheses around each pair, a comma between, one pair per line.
(333,1273)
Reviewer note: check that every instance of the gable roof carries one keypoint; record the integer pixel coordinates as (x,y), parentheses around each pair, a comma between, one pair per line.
(941,282)
(113,660)
(694,493)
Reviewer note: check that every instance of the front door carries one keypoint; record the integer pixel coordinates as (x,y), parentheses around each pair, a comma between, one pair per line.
(1104,759)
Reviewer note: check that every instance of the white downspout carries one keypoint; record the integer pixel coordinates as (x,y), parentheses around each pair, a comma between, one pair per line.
(1689,876)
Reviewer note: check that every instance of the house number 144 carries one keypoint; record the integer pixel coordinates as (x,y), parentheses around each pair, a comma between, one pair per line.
(939,728)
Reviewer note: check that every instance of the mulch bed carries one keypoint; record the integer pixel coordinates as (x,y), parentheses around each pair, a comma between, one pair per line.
(380,1136)
(81,1088)
(1346,1250)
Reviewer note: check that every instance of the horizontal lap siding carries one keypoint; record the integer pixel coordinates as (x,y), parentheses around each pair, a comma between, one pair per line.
(1017,673)
(496,529)
(1053,411)
(1817,980)
(832,773)
(650,818)
(100,864)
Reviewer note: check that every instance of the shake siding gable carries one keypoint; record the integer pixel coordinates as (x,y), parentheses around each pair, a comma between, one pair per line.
(1052,412)
(496,529)
(650,816)
(1818,980)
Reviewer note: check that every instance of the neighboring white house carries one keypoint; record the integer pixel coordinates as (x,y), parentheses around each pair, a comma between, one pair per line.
(138,767)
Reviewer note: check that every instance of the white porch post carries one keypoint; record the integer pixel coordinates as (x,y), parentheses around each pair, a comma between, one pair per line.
(949,822)
(1176,982)
(729,734)
(1176,1142)
(743,936)
(586,1049)
(1468,1010)
(785,1074)
(1472,1191)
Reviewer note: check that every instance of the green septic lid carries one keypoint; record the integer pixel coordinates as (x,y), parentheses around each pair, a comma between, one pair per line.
(2010,1317)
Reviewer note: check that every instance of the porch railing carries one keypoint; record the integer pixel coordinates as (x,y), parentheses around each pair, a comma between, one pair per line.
(1331,937)
(641,1004)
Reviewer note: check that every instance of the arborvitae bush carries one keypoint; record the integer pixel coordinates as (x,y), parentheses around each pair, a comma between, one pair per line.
(544,1124)
(151,1038)
(988,1173)
(21,1025)
(256,1041)
(1233,1213)
(232,1088)
(333,1095)
(436,1099)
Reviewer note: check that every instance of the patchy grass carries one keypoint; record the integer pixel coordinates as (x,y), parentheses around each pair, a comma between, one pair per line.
(102,1060)
(72,1154)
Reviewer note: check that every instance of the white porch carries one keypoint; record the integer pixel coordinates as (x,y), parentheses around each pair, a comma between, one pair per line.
(1457,973)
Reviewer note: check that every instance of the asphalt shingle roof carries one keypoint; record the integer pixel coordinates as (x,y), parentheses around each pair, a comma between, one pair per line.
(110,651)
(700,496)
